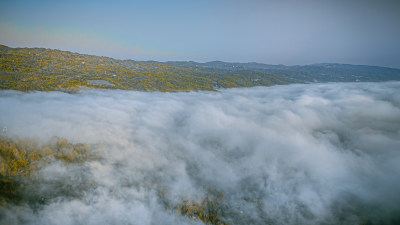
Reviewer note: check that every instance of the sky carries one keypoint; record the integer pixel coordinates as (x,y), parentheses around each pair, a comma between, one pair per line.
(274,32)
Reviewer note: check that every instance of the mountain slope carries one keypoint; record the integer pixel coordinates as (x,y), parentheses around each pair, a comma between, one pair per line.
(46,70)
(42,69)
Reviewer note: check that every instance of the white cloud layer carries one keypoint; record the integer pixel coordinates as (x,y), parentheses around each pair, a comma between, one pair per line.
(294,154)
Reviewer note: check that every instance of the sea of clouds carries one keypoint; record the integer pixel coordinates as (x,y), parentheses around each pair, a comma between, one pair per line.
(293,154)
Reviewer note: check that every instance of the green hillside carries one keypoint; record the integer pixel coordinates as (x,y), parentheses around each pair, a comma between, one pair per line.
(28,69)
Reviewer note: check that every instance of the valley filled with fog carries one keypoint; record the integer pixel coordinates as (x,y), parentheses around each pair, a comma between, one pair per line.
(291,154)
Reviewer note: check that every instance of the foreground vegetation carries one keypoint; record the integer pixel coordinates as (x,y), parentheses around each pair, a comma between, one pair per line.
(21,161)
(27,69)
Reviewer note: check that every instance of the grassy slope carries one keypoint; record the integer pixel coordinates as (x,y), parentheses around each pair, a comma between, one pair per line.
(27,69)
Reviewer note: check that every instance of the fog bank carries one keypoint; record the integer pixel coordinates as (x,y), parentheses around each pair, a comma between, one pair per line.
(293,154)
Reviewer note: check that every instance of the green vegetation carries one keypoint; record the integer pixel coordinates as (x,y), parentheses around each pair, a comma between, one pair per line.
(22,159)
(208,210)
(28,69)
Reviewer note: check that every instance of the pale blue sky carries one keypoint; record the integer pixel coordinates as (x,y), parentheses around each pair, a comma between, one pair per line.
(270,31)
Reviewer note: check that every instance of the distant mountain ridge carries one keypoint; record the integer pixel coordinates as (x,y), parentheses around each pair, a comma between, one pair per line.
(27,69)
(321,72)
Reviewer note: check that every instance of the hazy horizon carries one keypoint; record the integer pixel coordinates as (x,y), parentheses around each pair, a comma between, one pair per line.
(271,32)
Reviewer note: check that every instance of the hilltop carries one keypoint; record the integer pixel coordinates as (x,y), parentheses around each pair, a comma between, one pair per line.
(41,69)
(48,70)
